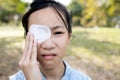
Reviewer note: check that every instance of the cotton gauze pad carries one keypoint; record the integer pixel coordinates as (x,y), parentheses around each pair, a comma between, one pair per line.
(40,32)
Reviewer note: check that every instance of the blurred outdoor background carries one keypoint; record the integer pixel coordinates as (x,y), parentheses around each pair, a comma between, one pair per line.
(94,47)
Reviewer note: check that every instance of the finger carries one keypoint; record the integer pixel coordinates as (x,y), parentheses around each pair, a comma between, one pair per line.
(25,48)
(34,51)
(27,42)
(30,45)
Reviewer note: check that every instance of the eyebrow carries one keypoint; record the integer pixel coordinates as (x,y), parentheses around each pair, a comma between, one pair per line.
(56,27)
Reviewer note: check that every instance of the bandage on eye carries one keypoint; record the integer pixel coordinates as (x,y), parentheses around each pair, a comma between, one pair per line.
(40,32)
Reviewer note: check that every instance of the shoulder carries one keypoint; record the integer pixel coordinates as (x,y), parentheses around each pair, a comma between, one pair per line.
(76,74)
(17,76)
(73,74)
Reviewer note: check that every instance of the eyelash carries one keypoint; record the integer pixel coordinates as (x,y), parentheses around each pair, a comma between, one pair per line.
(56,33)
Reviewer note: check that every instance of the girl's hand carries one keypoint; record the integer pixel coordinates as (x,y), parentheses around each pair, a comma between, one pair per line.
(28,62)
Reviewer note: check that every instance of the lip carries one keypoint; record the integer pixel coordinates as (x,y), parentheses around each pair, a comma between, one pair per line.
(48,56)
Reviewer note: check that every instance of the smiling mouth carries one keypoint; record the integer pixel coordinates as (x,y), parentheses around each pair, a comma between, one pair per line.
(48,56)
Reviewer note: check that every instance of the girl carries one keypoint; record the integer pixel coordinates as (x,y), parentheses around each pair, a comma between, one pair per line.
(44,60)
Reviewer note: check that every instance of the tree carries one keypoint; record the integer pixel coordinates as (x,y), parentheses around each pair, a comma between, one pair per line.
(112,8)
(96,12)
(9,8)
(76,10)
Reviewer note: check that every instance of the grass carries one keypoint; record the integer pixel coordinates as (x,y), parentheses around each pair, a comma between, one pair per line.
(100,48)
(94,51)
(103,42)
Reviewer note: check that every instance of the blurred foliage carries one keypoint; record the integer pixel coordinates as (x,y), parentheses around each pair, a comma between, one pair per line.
(76,9)
(87,13)
(95,12)
(10,8)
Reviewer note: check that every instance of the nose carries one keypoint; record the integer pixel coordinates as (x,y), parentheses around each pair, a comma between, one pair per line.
(48,44)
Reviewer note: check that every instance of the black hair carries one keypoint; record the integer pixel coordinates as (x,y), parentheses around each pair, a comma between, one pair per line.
(58,7)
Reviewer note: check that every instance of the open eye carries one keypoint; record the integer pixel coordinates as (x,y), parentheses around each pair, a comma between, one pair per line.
(58,33)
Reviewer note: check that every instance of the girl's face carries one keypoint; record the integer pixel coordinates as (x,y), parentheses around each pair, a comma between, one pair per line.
(50,52)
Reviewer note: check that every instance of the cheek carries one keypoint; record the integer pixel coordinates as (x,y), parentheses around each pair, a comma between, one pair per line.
(62,44)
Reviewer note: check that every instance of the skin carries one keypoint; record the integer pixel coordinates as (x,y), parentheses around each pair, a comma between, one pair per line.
(46,57)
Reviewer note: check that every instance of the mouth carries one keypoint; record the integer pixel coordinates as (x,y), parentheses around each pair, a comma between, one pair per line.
(48,56)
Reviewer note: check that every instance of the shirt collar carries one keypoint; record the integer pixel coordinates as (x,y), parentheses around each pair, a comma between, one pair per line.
(66,73)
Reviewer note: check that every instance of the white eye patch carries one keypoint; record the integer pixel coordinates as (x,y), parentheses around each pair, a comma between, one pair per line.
(40,32)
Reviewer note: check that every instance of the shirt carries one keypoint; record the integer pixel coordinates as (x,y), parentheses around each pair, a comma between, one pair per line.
(70,74)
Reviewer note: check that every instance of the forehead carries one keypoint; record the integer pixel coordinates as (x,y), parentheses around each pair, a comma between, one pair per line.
(47,16)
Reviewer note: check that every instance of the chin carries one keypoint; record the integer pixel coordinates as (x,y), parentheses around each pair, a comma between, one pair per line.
(48,65)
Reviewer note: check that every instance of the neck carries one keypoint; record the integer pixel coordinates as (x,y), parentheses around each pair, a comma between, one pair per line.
(55,73)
